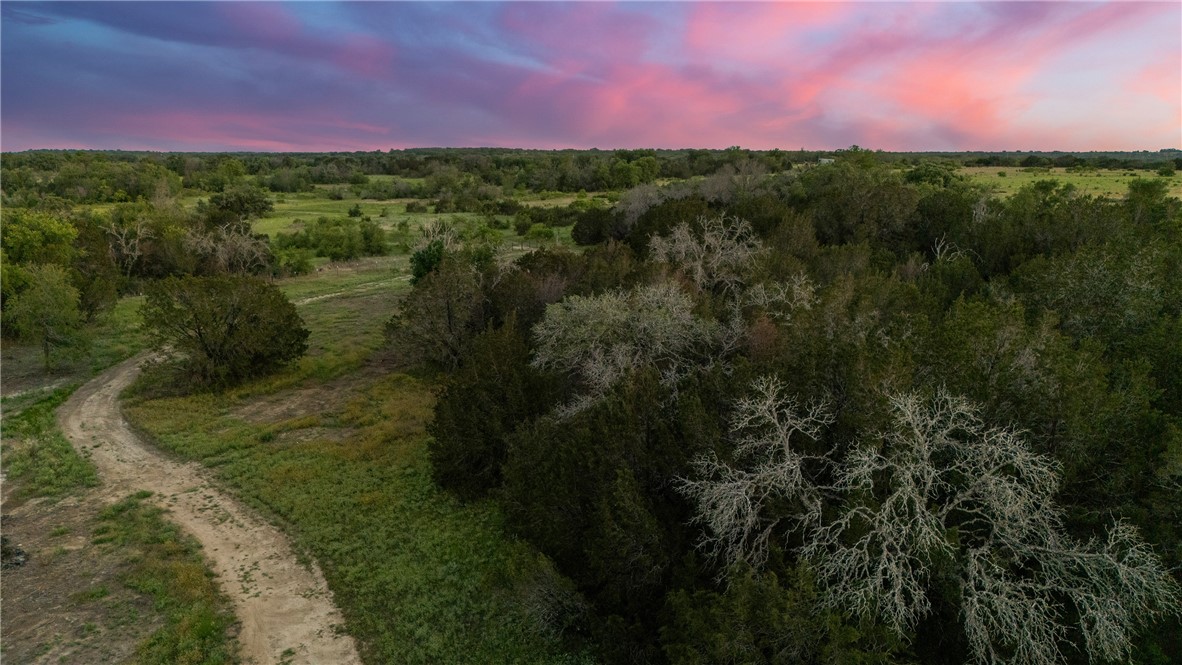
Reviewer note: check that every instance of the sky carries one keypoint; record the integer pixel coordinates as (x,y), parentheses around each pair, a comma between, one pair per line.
(314,76)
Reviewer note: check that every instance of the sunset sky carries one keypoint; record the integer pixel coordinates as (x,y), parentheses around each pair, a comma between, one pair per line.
(364,76)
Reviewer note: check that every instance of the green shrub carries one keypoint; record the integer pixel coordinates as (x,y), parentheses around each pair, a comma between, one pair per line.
(228,328)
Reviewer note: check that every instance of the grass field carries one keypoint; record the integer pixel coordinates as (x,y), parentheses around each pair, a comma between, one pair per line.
(1100,182)
(308,206)
(334,448)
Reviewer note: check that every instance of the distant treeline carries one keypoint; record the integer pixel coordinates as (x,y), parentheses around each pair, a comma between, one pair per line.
(116,176)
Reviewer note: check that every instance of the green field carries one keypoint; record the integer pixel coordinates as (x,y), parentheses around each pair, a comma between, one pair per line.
(1004,181)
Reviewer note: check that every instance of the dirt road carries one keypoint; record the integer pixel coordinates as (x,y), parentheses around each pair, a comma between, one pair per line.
(285,609)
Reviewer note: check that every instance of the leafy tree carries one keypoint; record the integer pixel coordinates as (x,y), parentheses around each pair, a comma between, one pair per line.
(852,201)
(32,236)
(237,206)
(47,311)
(425,260)
(228,328)
(494,392)
(540,234)
(1148,201)
(765,618)
(593,492)
(440,315)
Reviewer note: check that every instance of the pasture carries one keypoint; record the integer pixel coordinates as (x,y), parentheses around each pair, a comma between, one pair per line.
(1003,181)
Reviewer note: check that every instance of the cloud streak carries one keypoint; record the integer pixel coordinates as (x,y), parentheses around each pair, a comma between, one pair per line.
(328,76)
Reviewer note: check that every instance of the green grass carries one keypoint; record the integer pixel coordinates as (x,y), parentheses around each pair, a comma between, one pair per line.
(37,454)
(419,577)
(309,206)
(117,335)
(167,566)
(35,451)
(1100,182)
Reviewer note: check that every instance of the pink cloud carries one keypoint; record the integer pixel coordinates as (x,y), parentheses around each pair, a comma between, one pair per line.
(751,32)
(267,22)
(971,87)
(365,56)
(271,26)
(1162,79)
(250,131)
(571,37)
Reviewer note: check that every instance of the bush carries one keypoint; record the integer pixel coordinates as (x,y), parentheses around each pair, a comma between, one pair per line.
(46,313)
(228,328)
(426,260)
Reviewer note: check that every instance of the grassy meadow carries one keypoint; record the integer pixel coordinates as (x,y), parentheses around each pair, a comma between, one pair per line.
(1113,183)
(333,448)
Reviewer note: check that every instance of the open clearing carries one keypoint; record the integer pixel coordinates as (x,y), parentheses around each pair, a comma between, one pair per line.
(1112,183)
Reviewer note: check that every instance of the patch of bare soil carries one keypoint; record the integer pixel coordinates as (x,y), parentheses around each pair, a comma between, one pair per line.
(66,603)
(285,609)
(296,403)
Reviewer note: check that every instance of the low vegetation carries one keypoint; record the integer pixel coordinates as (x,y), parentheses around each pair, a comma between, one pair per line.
(36,454)
(167,566)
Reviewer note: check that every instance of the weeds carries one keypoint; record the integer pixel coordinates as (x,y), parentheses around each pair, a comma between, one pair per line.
(167,566)
(39,456)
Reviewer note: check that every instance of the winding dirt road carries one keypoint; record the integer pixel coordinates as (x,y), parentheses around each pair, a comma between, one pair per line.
(285,609)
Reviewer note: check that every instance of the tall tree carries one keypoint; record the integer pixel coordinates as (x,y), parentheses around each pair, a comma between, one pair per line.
(47,311)
(938,507)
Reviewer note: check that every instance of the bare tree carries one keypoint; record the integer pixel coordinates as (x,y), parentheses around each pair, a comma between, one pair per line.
(732,182)
(733,501)
(126,243)
(601,338)
(637,201)
(937,490)
(441,231)
(718,256)
(780,299)
(227,250)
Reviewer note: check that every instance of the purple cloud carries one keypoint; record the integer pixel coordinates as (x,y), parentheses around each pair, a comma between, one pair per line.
(296,76)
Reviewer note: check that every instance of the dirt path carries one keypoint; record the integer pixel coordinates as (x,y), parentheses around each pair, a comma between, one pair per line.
(369,286)
(285,609)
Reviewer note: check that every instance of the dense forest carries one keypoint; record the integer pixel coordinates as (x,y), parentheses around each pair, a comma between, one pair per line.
(768,410)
